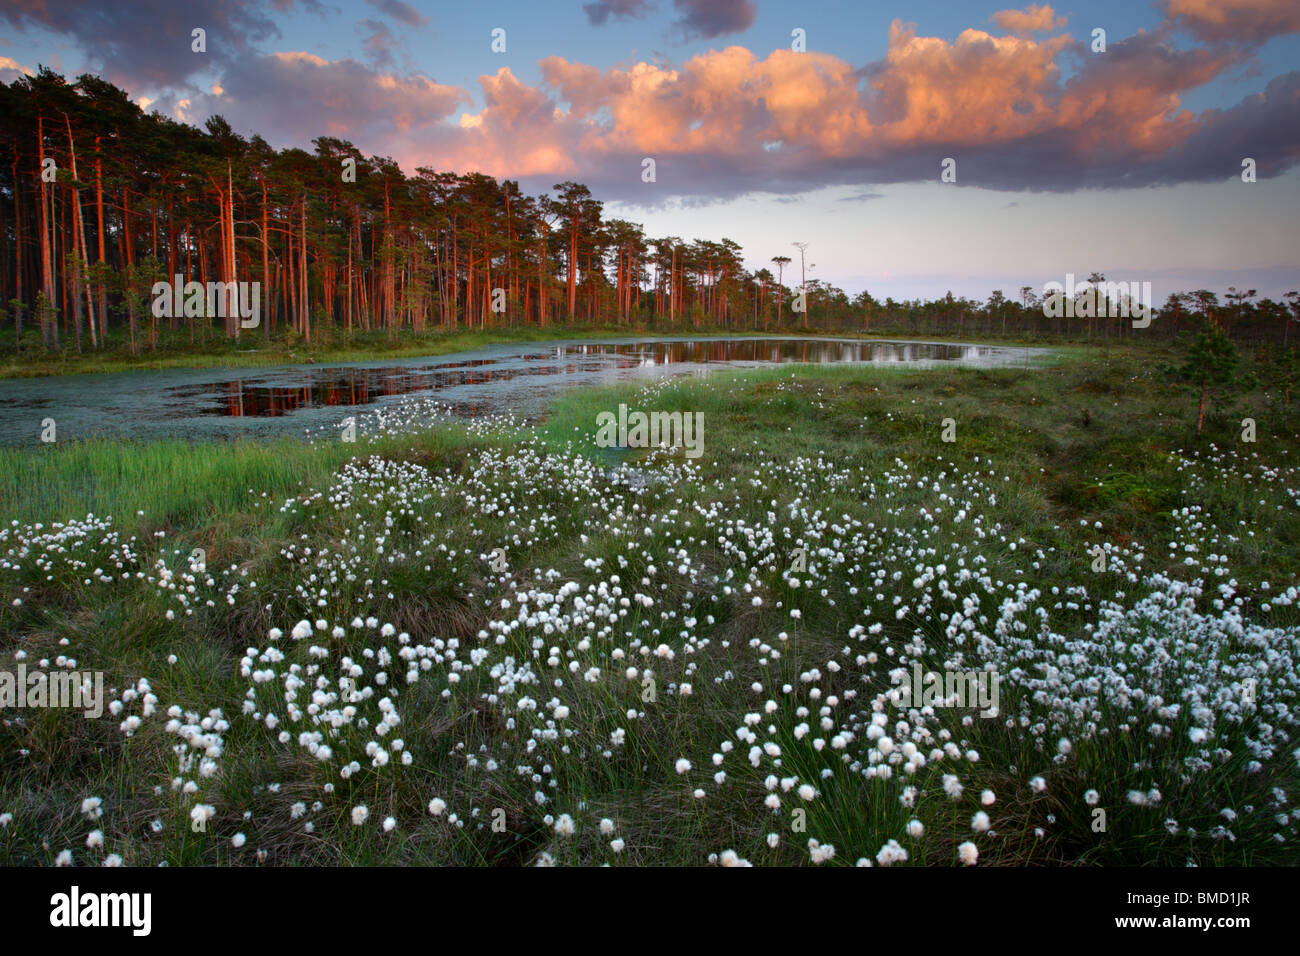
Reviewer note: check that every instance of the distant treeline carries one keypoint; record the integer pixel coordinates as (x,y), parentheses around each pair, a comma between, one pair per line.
(99,201)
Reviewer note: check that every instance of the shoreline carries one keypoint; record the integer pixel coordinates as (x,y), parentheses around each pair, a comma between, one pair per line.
(441,344)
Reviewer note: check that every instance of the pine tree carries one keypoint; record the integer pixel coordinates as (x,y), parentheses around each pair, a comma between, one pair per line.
(1211,369)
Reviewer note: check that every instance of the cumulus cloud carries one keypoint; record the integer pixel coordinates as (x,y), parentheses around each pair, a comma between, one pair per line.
(1033,19)
(519,134)
(1234,21)
(292,97)
(727,122)
(602,10)
(1262,126)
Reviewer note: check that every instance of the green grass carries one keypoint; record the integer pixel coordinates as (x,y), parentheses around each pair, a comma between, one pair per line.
(1063,477)
(178,483)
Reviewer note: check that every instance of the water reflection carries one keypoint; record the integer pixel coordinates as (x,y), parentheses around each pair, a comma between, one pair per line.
(261,396)
(521,380)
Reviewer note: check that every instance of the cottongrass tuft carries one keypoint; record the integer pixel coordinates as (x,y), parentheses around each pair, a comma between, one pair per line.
(891,853)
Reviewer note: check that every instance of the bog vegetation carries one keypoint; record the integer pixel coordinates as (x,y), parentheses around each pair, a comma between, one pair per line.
(497,644)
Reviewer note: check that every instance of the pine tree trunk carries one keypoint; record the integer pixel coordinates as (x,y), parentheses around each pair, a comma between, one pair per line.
(232,307)
(49,326)
(302,273)
(18,254)
(99,230)
(266,271)
(82,254)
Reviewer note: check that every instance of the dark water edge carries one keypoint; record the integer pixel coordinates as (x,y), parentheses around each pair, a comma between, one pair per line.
(517,379)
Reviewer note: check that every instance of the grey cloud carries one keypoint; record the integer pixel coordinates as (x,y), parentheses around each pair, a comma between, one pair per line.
(713,18)
(602,10)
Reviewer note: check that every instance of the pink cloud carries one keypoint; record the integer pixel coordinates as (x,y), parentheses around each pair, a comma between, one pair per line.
(1247,21)
(728,121)
(1033,19)
(293,97)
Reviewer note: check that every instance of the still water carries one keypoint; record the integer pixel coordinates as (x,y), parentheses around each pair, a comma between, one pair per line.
(518,379)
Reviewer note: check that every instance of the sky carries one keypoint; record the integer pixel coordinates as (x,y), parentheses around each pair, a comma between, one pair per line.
(822,121)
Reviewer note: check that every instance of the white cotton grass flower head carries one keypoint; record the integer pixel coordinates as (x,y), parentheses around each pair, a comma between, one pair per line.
(238,840)
(112,860)
(821,852)
(359,814)
(891,853)
(915,829)
(390,824)
(5,820)
(92,807)
(1092,798)
(980,822)
(95,840)
(64,858)
(987,798)
(683,765)
(437,806)
(968,853)
(606,826)
(617,844)
(564,825)
(732,858)
(1037,784)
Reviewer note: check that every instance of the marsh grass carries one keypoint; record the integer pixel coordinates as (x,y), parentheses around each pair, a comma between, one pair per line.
(250,506)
